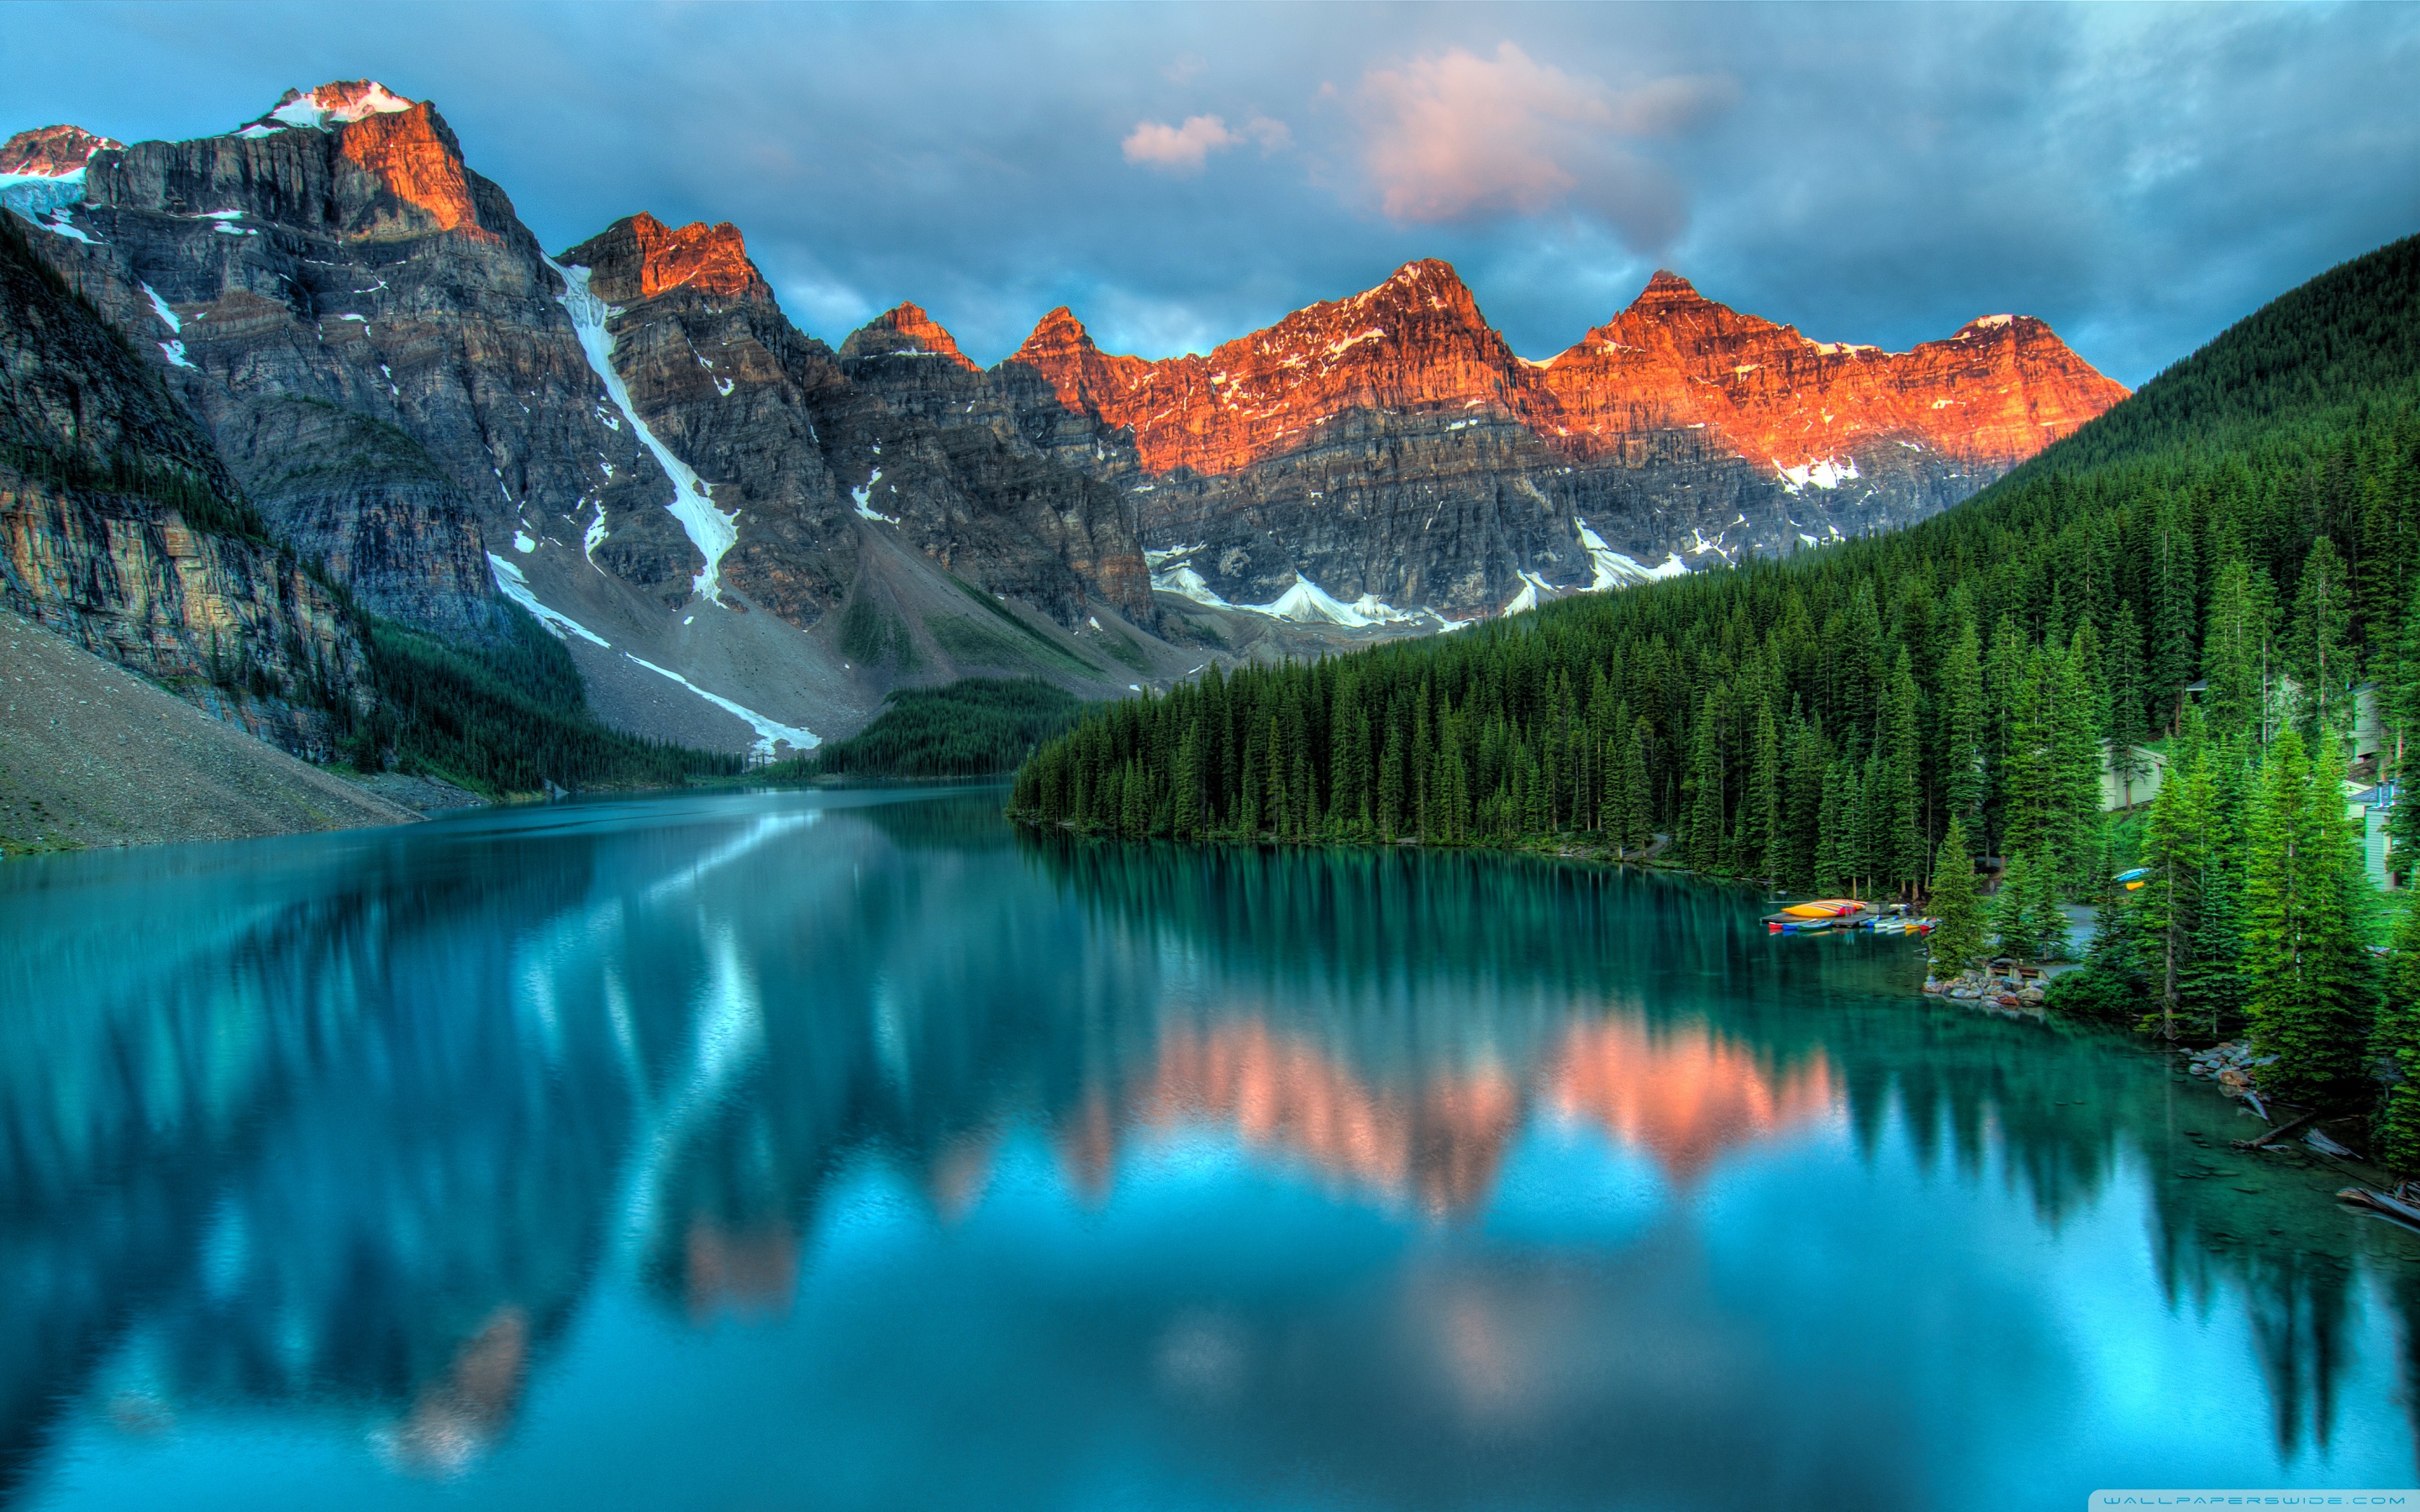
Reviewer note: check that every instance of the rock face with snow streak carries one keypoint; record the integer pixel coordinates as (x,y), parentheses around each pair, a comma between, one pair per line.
(119,527)
(415,393)
(809,451)
(1391,444)
(339,253)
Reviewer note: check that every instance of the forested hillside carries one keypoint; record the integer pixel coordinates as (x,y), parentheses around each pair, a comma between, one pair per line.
(974,727)
(2247,520)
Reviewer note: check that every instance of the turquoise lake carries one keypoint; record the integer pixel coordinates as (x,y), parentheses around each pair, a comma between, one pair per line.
(797,1150)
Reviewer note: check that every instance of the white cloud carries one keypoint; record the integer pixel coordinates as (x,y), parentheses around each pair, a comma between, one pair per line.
(1184,150)
(1178,150)
(1458,138)
(1271,135)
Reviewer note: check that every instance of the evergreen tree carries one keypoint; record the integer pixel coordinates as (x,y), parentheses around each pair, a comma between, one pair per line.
(2174,848)
(2396,1041)
(2176,585)
(1186,820)
(2399,706)
(2303,957)
(2321,659)
(2120,948)
(1391,783)
(1899,845)
(1867,827)
(1962,768)
(1760,823)
(1278,813)
(2026,776)
(1834,847)
(1810,763)
(2127,730)
(2074,829)
(1707,848)
(2045,920)
(2017,915)
(1957,941)
(1452,826)
(2210,983)
(2233,653)
(2007,764)
(1631,831)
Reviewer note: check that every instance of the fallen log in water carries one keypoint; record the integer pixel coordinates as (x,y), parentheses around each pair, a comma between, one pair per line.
(2394,1207)
(2278,1132)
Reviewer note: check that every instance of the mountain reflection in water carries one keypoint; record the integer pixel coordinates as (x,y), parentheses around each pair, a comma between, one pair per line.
(758,1149)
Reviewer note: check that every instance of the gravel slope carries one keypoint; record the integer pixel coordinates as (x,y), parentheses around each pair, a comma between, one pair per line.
(91,756)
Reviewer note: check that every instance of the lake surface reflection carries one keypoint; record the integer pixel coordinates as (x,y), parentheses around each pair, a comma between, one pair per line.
(854,1151)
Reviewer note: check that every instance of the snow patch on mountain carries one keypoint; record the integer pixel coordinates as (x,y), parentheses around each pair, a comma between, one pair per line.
(513,584)
(710,530)
(34,195)
(160,307)
(1616,570)
(1828,472)
(58,225)
(1307,603)
(329,104)
(770,732)
(864,498)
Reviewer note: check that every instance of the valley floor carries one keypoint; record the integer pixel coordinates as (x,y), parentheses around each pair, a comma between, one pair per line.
(91,756)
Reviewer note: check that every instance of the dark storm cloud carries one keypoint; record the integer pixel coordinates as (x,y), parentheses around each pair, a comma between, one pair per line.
(2136,176)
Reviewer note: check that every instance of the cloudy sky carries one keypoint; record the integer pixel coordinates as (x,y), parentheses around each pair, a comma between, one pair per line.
(1180,174)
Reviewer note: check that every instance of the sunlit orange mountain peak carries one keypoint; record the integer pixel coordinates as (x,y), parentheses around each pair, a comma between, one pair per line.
(639,257)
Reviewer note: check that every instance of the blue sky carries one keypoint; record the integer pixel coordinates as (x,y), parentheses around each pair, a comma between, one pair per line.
(2138,177)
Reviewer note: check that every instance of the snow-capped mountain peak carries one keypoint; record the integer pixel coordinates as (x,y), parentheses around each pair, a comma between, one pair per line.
(337,103)
(50,152)
(42,171)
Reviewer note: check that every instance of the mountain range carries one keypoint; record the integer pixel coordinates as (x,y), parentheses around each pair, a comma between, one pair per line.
(746,537)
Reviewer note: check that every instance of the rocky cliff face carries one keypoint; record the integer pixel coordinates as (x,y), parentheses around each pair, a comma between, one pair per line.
(337,254)
(1990,396)
(121,528)
(1417,341)
(1391,445)
(807,450)
(367,504)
